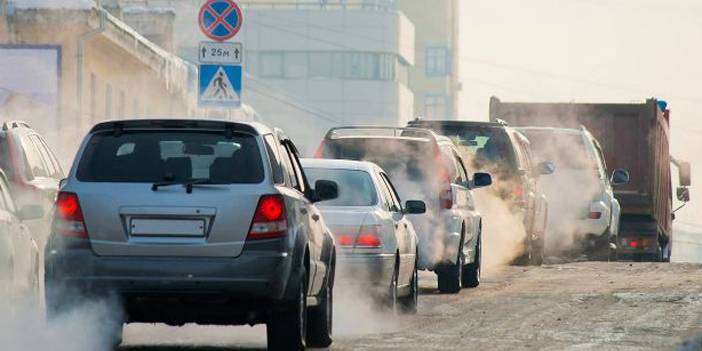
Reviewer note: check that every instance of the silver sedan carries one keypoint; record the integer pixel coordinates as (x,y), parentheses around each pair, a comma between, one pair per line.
(376,242)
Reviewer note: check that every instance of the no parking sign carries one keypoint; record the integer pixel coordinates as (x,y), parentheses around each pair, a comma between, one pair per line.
(220,20)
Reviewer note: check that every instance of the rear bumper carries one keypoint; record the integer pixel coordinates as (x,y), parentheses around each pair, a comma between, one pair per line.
(644,234)
(373,271)
(249,283)
(439,237)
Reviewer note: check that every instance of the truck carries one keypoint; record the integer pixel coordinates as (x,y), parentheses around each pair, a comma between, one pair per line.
(634,137)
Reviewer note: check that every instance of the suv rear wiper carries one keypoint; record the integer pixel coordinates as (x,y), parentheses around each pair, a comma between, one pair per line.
(188,184)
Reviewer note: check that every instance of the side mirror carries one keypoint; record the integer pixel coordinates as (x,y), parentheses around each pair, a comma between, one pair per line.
(685,173)
(30,212)
(415,207)
(619,177)
(545,168)
(326,190)
(480,180)
(683,194)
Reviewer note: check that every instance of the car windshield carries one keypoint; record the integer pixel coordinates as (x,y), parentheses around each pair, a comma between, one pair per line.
(355,187)
(566,151)
(153,157)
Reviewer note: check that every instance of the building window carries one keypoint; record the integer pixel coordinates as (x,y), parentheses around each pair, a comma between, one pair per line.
(93,97)
(135,108)
(320,65)
(122,102)
(295,65)
(271,65)
(108,101)
(435,106)
(437,62)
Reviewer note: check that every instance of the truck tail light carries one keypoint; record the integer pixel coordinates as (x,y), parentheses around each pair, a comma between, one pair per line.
(68,218)
(270,219)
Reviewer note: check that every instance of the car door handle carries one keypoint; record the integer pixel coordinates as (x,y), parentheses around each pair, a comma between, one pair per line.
(315,217)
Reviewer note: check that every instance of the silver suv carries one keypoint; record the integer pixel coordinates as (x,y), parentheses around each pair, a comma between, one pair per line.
(427,167)
(195,221)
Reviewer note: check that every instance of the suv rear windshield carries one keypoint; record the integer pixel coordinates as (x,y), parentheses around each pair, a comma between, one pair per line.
(355,187)
(565,150)
(409,159)
(484,146)
(158,156)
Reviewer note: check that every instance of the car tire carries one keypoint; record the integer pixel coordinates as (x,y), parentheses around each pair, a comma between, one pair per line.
(450,277)
(471,271)
(409,303)
(392,298)
(319,320)
(536,253)
(287,328)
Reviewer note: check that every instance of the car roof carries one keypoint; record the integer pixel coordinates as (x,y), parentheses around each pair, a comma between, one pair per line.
(571,131)
(381,132)
(251,127)
(339,164)
(424,123)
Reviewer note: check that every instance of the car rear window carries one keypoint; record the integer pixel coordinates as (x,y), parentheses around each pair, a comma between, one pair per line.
(409,159)
(355,187)
(158,156)
(565,150)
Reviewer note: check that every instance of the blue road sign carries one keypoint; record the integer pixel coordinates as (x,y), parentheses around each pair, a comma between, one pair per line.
(220,86)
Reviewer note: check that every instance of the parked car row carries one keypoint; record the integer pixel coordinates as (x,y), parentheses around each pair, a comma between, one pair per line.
(220,222)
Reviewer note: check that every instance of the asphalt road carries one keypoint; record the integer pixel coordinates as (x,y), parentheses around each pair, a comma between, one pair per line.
(573,306)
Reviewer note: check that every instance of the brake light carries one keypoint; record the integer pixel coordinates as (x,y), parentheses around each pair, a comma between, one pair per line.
(68,217)
(638,243)
(345,240)
(446,198)
(517,191)
(269,221)
(369,236)
(320,151)
(595,215)
(368,240)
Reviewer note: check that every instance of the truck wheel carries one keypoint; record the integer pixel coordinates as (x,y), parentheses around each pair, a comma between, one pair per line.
(287,329)
(409,303)
(450,277)
(471,272)
(319,326)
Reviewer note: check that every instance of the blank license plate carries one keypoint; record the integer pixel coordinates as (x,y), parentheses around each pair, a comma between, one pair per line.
(167,227)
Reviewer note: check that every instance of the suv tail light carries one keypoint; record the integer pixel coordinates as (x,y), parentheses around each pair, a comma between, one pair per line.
(270,219)
(68,218)
(369,237)
(595,215)
(517,192)
(446,198)
(320,151)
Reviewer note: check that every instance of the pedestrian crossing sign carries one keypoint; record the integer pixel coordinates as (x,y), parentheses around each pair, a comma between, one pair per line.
(220,86)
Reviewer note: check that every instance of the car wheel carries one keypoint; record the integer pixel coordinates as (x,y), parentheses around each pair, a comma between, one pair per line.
(536,252)
(319,324)
(471,272)
(287,328)
(450,277)
(409,303)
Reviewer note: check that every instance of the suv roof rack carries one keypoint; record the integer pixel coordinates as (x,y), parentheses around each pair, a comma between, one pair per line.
(15,124)
(410,132)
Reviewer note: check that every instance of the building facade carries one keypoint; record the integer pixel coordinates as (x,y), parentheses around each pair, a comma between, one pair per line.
(434,77)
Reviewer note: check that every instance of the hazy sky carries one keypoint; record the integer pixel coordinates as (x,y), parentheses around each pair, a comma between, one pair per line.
(589,51)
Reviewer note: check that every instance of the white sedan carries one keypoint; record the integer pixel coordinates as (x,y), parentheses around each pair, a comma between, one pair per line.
(376,242)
